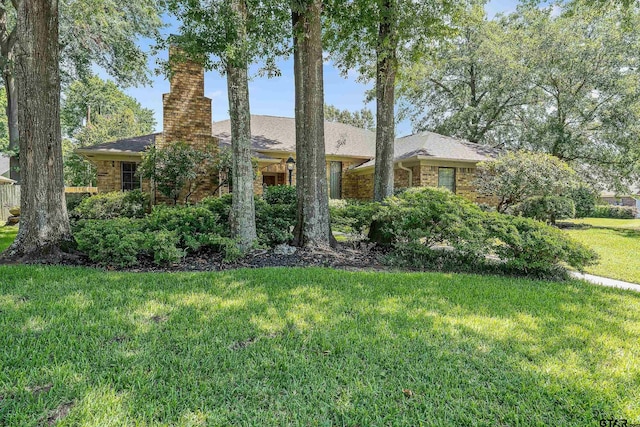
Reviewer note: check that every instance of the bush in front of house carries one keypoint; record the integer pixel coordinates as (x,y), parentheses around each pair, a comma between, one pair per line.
(165,236)
(433,217)
(352,216)
(123,242)
(117,204)
(280,195)
(435,229)
(547,209)
(616,212)
(194,225)
(530,246)
(220,206)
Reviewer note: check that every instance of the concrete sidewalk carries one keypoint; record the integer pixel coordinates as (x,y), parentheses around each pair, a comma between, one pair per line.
(603,281)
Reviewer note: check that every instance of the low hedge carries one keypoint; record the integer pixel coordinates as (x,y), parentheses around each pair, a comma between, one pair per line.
(616,212)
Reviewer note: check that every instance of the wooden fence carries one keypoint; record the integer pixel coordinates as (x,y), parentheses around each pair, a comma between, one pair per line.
(9,197)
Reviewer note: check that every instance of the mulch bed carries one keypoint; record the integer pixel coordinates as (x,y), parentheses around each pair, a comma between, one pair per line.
(350,257)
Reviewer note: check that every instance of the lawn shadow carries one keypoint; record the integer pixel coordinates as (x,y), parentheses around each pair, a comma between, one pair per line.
(316,346)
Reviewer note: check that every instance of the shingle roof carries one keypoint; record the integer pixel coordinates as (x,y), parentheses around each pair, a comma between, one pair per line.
(4,164)
(436,146)
(279,134)
(128,145)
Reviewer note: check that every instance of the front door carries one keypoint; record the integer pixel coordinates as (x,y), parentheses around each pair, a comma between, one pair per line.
(268,180)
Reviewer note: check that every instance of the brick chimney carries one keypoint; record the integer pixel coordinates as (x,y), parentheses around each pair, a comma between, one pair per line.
(186,111)
(187,117)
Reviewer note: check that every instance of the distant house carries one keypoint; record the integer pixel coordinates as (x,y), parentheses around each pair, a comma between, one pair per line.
(630,198)
(425,159)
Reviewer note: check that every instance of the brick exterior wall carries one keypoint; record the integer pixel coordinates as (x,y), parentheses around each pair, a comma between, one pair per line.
(361,185)
(109,175)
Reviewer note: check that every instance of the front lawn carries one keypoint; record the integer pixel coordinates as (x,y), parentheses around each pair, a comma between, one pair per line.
(618,250)
(632,224)
(7,234)
(312,347)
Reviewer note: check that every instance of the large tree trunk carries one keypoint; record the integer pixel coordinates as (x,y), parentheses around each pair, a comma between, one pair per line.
(386,68)
(44,225)
(313,228)
(243,218)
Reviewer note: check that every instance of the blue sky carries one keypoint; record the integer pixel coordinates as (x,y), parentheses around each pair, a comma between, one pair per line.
(275,96)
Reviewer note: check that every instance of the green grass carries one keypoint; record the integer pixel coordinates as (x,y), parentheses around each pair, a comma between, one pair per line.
(313,347)
(632,224)
(7,234)
(618,250)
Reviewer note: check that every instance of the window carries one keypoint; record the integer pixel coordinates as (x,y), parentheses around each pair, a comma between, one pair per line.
(129,179)
(335,180)
(447,178)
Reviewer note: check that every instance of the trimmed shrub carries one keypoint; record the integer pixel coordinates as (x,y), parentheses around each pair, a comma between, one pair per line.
(111,242)
(352,216)
(584,199)
(547,209)
(435,229)
(280,195)
(616,212)
(275,222)
(194,226)
(525,244)
(433,216)
(117,204)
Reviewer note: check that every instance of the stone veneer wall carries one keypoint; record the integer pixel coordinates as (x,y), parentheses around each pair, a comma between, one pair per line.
(361,185)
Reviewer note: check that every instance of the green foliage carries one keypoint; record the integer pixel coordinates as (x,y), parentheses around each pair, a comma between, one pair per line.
(220,206)
(433,216)
(111,242)
(117,204)
(280,194)
(585,199)
(361,119)
(432,228)
(274,222)
(526,244)
(352,216)
(73,200)
(95,111)
(193,225)
(547,209)
(554,78)
(611,211)
(472,84)
(176,168)
(516,176)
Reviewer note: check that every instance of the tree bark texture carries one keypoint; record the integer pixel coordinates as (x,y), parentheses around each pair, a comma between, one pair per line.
(386,68)
(313,228)
(243,218)
(44,225)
